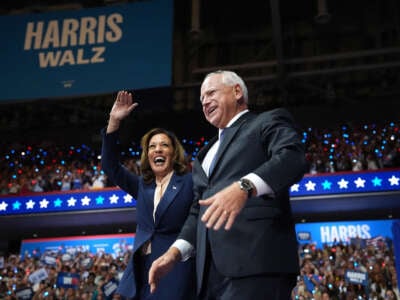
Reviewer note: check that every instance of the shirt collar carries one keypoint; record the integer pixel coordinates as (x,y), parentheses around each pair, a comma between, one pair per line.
(237,116)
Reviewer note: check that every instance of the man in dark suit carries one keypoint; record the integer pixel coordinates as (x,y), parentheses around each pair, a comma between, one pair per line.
(241,229)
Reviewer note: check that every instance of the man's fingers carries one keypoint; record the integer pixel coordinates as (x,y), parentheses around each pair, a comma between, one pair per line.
(213,217)
(207,213)
(221,220)
(231,220)
(205,202)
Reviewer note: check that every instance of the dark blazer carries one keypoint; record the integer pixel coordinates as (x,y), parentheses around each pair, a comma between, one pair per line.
(170,215)
(262,239)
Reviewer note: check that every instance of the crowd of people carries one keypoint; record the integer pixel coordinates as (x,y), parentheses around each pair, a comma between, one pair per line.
(325,271)
(47,167)
(322,277)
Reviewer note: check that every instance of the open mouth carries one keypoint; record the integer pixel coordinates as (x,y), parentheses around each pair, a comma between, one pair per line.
(211,110)
(159,160)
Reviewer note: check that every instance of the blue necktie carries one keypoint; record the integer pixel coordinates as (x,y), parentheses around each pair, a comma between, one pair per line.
(214,159)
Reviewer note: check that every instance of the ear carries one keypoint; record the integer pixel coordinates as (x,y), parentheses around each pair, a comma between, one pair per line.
(237,91)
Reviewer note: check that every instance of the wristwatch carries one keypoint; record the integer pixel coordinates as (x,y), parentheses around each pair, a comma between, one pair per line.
(247,186)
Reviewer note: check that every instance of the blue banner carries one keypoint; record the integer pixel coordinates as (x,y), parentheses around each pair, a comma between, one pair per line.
(69,247)
(345,232)
(89,51)
(66,201)
(347,183)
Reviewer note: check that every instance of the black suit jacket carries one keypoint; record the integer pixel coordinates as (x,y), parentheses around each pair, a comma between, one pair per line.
(262,239)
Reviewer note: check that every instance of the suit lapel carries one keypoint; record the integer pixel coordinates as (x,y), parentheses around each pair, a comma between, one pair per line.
(229,134)
(169,196)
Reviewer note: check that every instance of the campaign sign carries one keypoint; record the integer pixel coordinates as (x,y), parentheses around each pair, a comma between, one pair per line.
(68,280)
(38,276)
(356,277)
(87,263)
(329,233)
(86,51)
(24,294)
(110,287)
(49,260)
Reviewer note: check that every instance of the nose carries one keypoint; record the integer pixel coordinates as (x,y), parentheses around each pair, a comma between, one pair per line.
(205,100)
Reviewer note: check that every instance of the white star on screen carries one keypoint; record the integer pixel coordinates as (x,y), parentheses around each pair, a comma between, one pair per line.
(114,199)
(343,184)
(310,186)
(3,206)
(44,203)
(128,198)
(30,204)
(295,187)
(71,201)
(85,201)
(394,180)
(360,183)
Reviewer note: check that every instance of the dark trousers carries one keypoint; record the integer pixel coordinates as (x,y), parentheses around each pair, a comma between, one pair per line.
(256,287)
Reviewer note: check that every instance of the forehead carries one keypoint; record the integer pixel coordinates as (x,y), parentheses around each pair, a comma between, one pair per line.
(211,82)
(159,137)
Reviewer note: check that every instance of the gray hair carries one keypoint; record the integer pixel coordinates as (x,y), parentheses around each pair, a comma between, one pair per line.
(230,78)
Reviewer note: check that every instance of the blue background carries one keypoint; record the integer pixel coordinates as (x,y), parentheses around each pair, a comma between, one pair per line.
(140,59)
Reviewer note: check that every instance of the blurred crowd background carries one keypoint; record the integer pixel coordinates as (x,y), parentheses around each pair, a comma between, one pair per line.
(322,274)
(46,166)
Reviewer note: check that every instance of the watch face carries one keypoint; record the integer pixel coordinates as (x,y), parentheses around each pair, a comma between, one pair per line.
(245,184)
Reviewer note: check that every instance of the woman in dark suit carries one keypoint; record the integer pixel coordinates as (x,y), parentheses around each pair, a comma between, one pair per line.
(163,193)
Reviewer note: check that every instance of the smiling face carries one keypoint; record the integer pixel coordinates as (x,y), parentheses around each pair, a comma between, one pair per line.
(160,154)
(220,102)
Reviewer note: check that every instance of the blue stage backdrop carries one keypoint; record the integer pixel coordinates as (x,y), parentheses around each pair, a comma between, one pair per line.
(89,51)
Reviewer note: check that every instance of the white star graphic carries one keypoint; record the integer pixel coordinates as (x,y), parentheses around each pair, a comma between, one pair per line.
(295,187)
(30,204)
(310,186)
(3,206)
(128,198)
(394,180)
(359,182)
(85,201)
(114,199)
(71,201)
(343,183)
(44,203)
